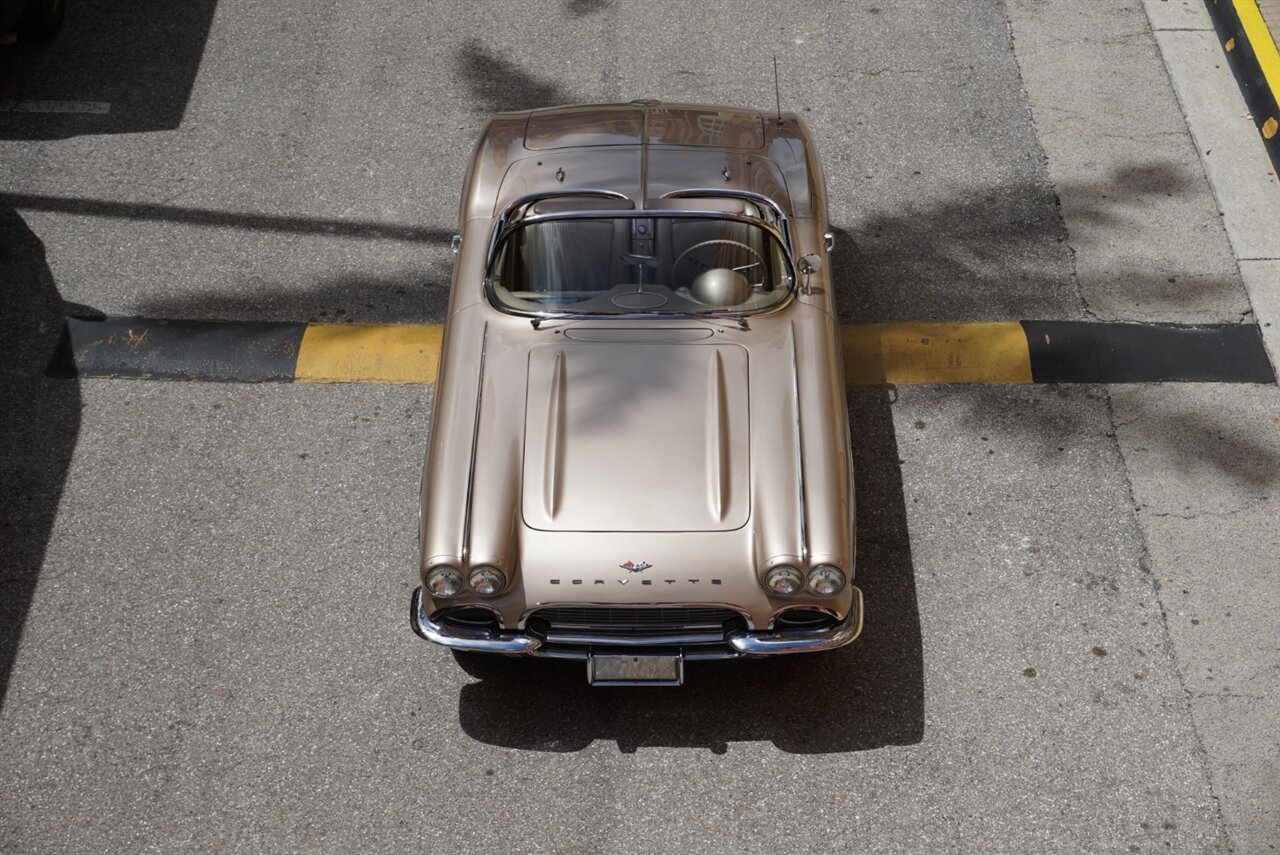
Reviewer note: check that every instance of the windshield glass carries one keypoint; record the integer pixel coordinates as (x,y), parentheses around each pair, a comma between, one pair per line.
(627,265)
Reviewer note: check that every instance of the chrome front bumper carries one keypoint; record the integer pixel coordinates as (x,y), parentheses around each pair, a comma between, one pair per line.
(737,644)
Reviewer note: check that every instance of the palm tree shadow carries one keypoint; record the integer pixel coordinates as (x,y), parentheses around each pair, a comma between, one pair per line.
(1000,254)
(498,84)
(1003,253)
(38,433)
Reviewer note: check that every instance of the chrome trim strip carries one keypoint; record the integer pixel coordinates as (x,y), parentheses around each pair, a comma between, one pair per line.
(738,318)
(553,453)
(724,193)
(795,390)
(718,472)
(475,441)
(588,638)
(530,198)
(644,154)
(649,214)
(690,654)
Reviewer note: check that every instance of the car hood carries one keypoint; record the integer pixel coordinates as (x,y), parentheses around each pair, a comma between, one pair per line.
(674,443)
(637,436)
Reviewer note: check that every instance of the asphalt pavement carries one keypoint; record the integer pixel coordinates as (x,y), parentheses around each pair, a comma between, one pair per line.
(1069,644)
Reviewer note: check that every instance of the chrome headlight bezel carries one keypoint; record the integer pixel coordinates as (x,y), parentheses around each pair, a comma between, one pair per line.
(828,573)
(497,580)
(450,579)
(777,577)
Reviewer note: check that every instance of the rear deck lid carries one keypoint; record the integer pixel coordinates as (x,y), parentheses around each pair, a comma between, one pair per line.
(655,124)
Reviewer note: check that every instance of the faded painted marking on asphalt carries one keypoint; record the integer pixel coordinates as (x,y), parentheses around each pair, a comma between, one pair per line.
(100,108)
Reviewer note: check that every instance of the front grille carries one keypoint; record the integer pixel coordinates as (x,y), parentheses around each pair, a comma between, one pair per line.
(633,622)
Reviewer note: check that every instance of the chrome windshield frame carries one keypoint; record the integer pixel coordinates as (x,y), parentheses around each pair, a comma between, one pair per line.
(502,230)
(783,228)
(500,223)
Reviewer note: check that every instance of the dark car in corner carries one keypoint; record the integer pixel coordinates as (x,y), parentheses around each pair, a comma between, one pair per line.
(38,18)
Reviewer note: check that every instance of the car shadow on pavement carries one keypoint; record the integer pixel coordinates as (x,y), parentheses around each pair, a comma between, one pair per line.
(867,695)
(39,428)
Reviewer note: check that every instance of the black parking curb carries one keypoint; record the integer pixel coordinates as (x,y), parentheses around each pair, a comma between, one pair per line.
(1247,49)
(150,348)
(1075,352)
(901,354)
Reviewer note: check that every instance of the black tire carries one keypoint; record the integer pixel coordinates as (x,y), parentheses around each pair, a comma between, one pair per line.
(43,18)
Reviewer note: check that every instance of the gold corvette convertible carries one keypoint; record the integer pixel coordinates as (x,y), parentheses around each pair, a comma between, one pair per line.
(640,448)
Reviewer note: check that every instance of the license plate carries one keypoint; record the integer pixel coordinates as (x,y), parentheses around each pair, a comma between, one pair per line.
(613,670)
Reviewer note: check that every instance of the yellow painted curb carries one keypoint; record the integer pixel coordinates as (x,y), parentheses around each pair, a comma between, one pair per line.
(936,353)
(909,353)
(368,353)
(1264,46)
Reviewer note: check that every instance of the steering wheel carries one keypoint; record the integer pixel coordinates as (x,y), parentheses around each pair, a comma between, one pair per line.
(758,259)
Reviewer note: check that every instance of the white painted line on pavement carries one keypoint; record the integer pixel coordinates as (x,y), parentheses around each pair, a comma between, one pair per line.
(30,106)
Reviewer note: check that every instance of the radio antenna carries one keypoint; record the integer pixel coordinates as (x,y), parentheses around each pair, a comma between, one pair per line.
(777,92)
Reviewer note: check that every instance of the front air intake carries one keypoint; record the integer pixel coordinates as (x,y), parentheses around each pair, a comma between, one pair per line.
(803,617)
(637,623)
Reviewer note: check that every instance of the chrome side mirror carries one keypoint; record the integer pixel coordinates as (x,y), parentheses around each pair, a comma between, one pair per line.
(455,245)
(809,264)
(828,241)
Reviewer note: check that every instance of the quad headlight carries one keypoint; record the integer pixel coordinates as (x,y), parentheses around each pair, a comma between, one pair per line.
(826,580)
(487,580)
(783,580)
(444,582)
